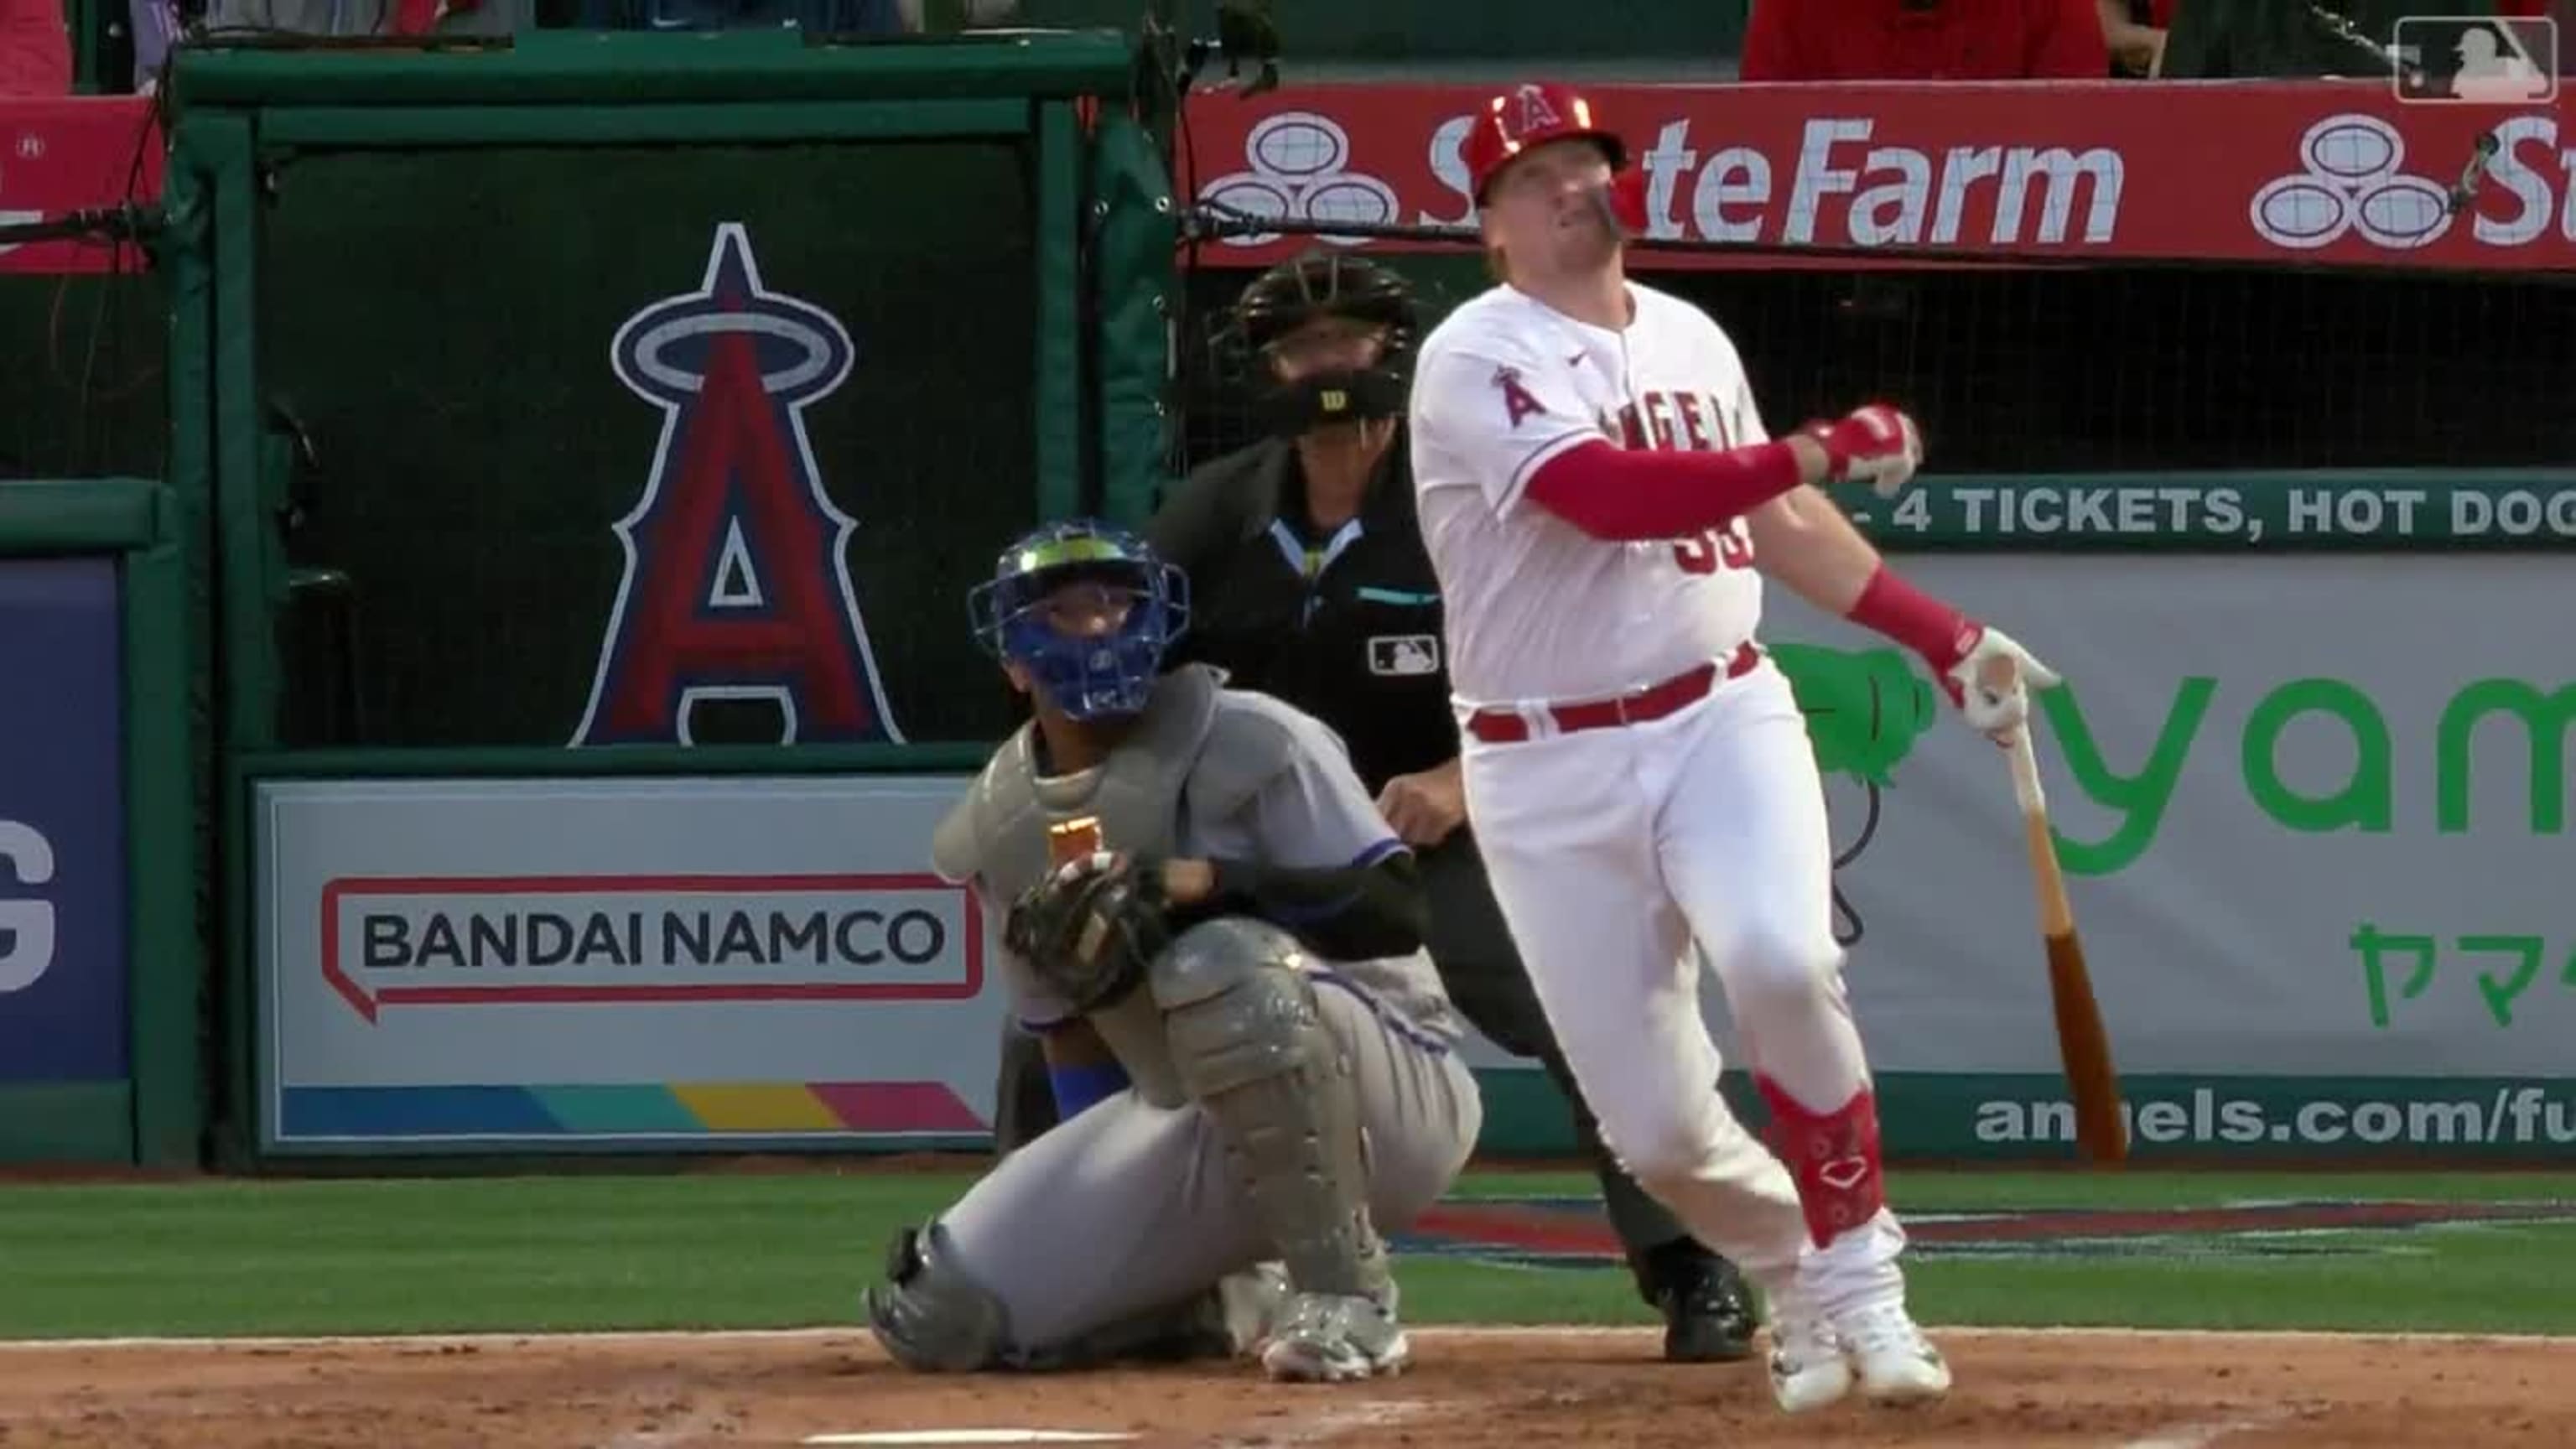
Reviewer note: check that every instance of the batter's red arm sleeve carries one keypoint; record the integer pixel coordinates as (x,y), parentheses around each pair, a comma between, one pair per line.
(1928,626)
(1769,51)
(2069,44)
(1623,496)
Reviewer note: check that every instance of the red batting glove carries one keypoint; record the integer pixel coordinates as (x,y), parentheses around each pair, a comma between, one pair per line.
(1877,445)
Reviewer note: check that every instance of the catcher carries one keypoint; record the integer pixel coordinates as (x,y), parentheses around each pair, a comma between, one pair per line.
(1204,916)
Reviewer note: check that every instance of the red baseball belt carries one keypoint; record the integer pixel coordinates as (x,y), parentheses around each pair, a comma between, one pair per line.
(1504,727)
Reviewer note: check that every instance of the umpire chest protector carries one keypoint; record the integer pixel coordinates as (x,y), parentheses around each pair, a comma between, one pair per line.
(1182,755)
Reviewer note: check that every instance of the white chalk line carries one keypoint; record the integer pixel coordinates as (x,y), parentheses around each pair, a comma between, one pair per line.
(2202,1436)
(1319,1427)
(969,1437)
(1434,1333)
(1329,1424)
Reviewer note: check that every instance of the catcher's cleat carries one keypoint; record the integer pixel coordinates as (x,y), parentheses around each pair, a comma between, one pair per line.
(1330,1338)
(1708,1311)
(1253,1304)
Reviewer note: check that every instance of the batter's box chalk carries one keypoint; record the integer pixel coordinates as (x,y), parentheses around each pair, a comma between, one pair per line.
(973,1436)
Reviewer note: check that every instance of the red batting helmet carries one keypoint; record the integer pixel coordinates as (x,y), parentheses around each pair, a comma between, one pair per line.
(1528,116)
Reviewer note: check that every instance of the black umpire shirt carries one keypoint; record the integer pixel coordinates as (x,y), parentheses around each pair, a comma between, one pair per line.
(1344,624)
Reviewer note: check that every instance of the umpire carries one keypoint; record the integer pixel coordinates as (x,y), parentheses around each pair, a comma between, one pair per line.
(1309,582)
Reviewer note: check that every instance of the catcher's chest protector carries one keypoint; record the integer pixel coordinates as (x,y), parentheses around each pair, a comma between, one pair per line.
(998,836)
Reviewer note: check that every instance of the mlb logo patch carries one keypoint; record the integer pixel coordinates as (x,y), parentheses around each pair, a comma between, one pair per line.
(1404,654)
(2474,60)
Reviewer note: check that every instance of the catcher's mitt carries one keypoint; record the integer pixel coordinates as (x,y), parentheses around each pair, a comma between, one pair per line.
(1089,929)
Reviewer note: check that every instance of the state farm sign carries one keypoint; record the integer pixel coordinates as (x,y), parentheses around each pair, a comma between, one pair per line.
(2254,171)
(1845,184)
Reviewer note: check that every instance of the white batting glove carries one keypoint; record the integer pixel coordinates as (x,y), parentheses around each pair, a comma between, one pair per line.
(1877,445)
(1991,684)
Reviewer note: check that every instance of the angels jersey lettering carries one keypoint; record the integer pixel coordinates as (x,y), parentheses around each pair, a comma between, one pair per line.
(1537,608)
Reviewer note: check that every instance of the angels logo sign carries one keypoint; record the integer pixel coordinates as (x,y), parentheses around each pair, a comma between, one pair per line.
(737,580)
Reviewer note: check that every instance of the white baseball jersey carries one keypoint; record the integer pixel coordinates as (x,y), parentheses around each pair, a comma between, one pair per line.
(1537,608)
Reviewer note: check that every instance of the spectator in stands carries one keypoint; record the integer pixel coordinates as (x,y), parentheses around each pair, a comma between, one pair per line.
(2135,32)
(373,17)
(1850,40)
(835,17)
(157,24)
(35,49)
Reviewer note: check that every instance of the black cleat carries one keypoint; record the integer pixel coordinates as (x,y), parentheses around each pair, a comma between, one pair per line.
(1708,1311)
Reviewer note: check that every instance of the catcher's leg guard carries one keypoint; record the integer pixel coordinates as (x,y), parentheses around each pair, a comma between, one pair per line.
(1252,1049)
(930,1315)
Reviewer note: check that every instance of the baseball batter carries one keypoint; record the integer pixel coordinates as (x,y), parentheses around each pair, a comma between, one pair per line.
(1204,916)
(1600,500)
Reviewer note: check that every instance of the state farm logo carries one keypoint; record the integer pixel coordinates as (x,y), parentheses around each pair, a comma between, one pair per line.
(2351,183)
(1297,159)
(395,942)
(1844,183)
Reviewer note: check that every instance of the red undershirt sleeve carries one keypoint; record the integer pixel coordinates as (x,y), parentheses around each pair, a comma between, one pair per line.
(1625,496)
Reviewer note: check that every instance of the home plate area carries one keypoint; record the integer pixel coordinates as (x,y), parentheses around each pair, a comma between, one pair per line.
(1491,1389)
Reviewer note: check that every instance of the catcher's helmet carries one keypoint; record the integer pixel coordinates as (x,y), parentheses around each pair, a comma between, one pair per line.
(1529,116)
(1086,676)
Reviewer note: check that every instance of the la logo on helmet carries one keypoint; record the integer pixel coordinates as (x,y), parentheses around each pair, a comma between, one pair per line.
(1537,112)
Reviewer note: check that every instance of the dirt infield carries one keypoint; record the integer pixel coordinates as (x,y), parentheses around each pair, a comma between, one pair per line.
(1486,1388)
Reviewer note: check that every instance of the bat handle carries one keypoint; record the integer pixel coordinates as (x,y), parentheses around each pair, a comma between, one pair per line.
(2025,774)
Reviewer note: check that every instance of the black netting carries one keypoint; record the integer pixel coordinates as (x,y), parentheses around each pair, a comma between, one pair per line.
(2103,368)
(82,388)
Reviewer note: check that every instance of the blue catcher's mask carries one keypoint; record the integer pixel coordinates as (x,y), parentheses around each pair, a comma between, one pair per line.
(1087,610)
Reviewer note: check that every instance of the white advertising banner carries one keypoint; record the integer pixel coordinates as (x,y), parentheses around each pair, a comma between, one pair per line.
(2313,810)
(681,963)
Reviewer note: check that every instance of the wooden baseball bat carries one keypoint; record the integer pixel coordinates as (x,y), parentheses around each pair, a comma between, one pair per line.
(2081,1042)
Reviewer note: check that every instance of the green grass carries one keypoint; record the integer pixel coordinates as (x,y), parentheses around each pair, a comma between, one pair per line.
(686,1251)
(2458,1280)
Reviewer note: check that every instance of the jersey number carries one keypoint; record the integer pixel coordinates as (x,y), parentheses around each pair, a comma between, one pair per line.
(1718,548)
